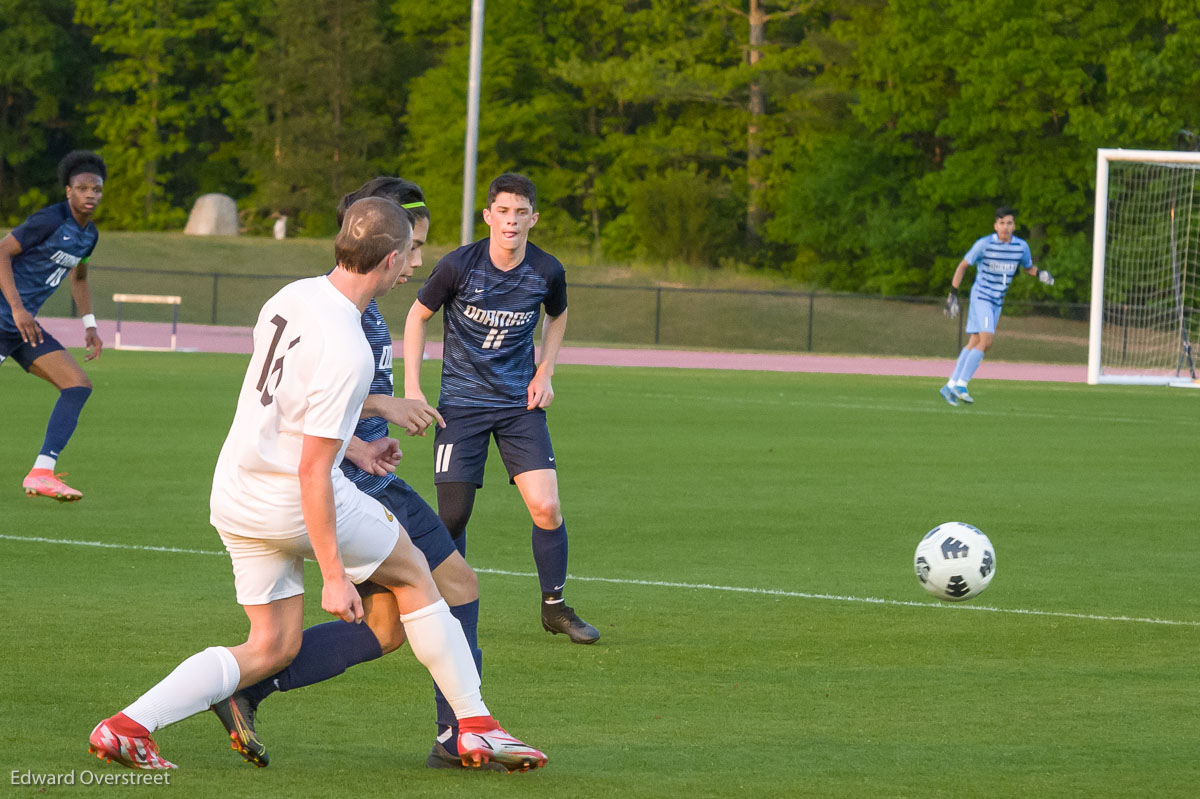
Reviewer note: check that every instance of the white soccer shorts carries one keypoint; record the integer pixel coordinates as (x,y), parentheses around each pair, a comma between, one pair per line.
(268,569)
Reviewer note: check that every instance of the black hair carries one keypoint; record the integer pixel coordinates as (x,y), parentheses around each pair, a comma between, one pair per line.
(78,162)
(513,183)
(1004,211)
(398,190)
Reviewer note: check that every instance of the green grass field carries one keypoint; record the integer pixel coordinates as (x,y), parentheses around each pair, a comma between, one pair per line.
(744,542)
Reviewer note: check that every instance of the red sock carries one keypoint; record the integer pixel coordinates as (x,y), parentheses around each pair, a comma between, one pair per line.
(477,724)
(123,725)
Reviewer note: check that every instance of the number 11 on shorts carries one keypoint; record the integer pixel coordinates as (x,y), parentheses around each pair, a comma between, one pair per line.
(442,459)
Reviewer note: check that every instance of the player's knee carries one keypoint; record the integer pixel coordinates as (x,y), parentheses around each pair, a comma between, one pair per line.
(455,502)
(274,651)
(456,581)
(546,512)
(391,637)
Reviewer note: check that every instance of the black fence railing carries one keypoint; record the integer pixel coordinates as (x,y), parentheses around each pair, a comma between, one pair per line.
(661,316)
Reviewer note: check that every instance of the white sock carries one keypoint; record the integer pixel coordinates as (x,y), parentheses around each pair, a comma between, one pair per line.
(45,462)
(961,384)
(203,679)
(437,640)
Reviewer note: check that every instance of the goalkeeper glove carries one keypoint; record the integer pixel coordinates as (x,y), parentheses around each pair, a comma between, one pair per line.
(952,303)
(1045,277)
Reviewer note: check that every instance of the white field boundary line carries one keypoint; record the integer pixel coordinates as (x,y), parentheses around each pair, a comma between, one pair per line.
(866,600)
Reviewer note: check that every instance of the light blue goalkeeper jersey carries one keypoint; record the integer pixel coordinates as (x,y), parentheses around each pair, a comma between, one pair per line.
(996,263)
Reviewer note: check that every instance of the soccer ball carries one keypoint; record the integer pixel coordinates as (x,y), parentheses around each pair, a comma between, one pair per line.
(955,561)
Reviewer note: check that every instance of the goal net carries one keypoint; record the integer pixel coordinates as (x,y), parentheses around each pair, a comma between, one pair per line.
(1145,313)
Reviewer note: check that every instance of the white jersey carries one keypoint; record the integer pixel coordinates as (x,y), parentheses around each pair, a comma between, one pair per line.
(309,375)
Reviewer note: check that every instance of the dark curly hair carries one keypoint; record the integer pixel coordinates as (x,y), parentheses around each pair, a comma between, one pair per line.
(80,161)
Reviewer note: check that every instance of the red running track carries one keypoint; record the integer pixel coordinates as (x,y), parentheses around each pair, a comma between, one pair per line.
(215,338)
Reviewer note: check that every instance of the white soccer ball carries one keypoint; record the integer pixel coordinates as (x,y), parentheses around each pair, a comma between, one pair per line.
(955,561)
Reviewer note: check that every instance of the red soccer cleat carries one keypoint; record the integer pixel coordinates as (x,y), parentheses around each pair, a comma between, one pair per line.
(131,751)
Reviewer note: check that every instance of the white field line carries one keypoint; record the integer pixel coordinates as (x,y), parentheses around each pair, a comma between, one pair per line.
(850,403)
(695,586)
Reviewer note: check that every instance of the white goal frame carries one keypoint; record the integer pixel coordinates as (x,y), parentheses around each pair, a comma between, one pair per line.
(1095,373)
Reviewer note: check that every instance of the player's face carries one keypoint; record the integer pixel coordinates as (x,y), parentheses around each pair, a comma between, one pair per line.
(420,233)
(1005,226)
(84,193)
(397,271)
(510,217)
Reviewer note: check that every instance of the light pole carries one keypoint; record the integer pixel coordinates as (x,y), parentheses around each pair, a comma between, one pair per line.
(470,156)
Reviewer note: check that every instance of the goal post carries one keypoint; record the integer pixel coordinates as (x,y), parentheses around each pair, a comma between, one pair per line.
(1145,308)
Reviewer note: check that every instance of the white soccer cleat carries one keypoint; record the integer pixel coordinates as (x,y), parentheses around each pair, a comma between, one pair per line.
(497,746)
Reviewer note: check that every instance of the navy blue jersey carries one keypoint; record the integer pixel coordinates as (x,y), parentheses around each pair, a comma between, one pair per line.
(489,319)
(52,244)
(374,427)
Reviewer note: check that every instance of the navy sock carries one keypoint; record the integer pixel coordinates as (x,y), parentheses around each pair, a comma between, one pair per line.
(550,556)
(64,418)
(325,651)
(468,617)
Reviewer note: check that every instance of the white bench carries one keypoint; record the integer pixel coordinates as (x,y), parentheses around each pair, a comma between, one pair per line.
(151,299)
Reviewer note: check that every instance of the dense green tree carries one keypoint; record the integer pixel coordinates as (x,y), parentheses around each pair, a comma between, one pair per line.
(145,101)
(44,73)
(962,106)
(319,108)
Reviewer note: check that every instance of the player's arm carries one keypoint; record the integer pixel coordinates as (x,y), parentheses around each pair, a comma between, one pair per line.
(81,292)
(414,348)
(28,327)
(338,594)
(955,283)
(414,415)
(540,392)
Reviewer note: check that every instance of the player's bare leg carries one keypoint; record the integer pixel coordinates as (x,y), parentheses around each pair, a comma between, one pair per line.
(199,682)
(539,490)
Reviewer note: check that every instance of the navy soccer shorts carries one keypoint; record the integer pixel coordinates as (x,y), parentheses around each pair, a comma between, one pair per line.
(426,530)
(25,354)
(460,449)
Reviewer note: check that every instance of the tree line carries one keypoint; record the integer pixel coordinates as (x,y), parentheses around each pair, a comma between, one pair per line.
(854,144)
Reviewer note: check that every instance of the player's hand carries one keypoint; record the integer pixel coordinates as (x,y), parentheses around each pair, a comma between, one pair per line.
(414,415)
(378,457)
(27,326)
(1045,277)
(952,304)
(94,344)
(340,598)
(539,392)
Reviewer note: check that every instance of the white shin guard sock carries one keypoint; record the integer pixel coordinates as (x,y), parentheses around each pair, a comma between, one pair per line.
(195,684)
(437,640)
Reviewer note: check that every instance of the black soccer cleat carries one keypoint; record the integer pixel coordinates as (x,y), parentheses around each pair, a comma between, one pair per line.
(237,715)
(560,618)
